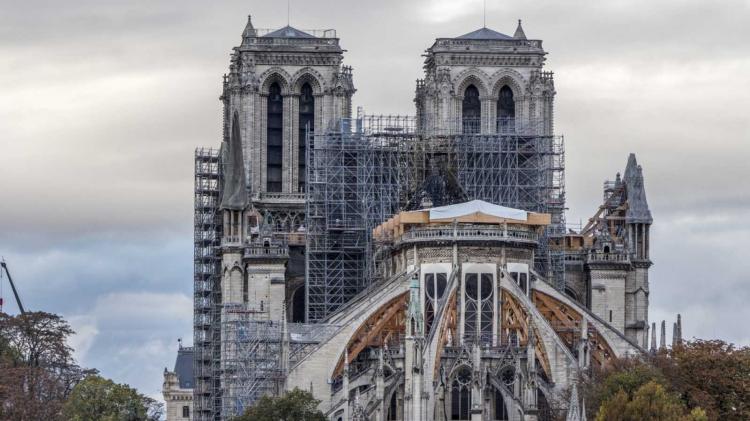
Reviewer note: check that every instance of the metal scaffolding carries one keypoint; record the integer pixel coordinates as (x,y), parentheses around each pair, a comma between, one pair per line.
(357,177)
(207,283)
(370,168)
(251,358)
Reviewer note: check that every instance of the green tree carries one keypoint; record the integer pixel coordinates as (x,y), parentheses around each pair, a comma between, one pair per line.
(627,375)
(296,405)
(650,402)
(97,398)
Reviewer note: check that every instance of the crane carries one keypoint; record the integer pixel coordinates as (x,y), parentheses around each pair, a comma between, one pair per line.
(12,285)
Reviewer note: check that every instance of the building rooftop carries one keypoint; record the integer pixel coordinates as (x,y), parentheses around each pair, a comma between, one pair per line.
(183,367)
(484,33)
(288,32)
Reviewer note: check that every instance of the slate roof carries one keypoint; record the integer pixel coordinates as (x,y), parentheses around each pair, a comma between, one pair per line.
(183,367)
(288,32)
(484,33)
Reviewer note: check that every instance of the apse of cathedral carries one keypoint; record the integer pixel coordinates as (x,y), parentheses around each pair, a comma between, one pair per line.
(406,268)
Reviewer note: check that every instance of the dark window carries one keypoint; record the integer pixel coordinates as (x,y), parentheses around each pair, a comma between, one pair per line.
(392,409)
(471,110)
(506,110)
(274,141)
(610,316)
(523,281)
(441,280)
(429,285)
(471,286)
(501,412)
(487,312)
(486,286)
(461,396)
(185,412)
(298,305)
(306,121)
(245,288)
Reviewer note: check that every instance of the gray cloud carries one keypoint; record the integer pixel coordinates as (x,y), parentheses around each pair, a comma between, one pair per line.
(103,103)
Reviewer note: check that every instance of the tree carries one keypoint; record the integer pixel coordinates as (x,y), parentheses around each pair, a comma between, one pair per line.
(102,399)
(296,405)
(626,374)
(650,402)
(38,370)
(711,374)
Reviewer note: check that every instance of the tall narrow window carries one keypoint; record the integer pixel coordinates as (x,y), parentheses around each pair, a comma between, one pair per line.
(275,142)
(461,395)
(506,110)
(501,412)
(306,122)
(471,111)
(478,311)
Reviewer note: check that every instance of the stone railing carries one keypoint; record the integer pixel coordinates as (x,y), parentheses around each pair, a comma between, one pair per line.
(467,234)
(280,196)
(263,252)
(608,257)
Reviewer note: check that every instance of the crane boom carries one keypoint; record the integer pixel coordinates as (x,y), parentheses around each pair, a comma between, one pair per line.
(13,286)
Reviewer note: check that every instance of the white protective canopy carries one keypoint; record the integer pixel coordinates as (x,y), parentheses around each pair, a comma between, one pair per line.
(477,206)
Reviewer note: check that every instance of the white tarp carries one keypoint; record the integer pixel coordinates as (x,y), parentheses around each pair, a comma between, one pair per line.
(477,206)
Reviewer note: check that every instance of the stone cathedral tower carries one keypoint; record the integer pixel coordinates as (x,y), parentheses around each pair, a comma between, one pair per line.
(280,82)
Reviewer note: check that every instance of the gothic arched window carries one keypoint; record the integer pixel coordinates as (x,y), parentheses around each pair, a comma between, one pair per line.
(461,395)
(478,310)
(275,138)
(306,121)
(471,111)
(506,110)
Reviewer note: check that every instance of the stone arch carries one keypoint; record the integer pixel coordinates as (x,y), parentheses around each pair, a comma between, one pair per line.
(512,78)
(472,76)
(275,74)
(462,365)
(308,75)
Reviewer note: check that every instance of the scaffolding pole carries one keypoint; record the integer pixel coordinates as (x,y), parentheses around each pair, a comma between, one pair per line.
(206,283)
(370,168)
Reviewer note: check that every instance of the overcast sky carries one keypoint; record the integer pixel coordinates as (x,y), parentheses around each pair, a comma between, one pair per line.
(102,104)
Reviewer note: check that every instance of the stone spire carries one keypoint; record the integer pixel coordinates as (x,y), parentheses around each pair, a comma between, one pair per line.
(663,339)
(653,337)
(519,31)
(249,31)
(679,329)
(574,411)
(234,196)
(674,334)
(638,210)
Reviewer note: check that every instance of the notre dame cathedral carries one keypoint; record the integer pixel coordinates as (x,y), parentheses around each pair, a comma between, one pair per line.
(406,268)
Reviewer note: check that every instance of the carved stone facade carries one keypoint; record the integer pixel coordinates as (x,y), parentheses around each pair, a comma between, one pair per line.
(178,387)
(459,325)
(488,61)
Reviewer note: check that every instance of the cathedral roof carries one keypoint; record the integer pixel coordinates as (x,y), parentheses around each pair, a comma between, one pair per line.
(288,32)
(484,33)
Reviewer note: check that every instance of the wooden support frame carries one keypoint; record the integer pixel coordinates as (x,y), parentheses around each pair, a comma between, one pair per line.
(566,321)
(388,320)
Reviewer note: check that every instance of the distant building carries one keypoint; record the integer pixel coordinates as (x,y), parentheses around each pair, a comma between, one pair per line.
(405,268)
(178,387)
